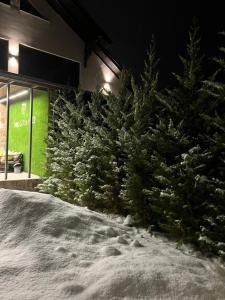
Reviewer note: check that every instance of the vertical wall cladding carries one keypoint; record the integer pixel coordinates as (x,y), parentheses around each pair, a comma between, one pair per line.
(19,130)
(3,55)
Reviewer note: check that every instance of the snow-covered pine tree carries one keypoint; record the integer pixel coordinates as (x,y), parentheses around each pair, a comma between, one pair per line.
(96,170)
(157,155)
(178,151)
(66,130)
(212,235)
(117,119)
(85,147)
(189,157)
(139,169)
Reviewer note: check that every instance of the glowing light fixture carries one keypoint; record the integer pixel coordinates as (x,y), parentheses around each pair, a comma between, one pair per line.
(13,48)
(13,63)
(106,88)
(15,96)
(107,74)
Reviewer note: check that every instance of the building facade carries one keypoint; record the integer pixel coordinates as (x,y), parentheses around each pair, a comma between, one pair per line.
(44,44)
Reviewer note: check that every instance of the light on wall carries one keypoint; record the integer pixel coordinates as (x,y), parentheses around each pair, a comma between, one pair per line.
(13,48)
(13,63)
(106,88)
(107,74)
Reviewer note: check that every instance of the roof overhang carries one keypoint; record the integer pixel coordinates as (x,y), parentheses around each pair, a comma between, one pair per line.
(80,21)
(17,79)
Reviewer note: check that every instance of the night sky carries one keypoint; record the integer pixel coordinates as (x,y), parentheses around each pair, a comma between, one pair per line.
(130,25)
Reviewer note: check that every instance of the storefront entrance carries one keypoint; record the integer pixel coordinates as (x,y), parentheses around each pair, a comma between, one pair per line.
(23,130)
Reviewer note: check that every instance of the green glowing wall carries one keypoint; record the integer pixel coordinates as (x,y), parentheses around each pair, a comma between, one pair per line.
(19,130)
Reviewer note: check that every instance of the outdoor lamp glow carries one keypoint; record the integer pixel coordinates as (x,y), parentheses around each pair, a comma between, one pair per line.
(13,48)
(13,64)
(106,87)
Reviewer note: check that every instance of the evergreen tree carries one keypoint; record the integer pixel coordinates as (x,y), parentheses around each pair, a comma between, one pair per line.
(212,234)
(116,118)
(159,155)
(85,151)
(66,129)
(137,146)
(173,137)
(188,141)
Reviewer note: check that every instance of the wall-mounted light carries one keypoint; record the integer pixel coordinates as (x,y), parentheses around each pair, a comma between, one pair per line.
(106,89)
(13,48)
(13,65)
(13,62)
(107,74)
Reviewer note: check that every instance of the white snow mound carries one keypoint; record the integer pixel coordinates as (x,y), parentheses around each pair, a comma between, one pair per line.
(50,249)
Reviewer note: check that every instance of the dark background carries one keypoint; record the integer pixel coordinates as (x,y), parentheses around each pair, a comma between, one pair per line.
(3,55)
(130,24)
(38,64)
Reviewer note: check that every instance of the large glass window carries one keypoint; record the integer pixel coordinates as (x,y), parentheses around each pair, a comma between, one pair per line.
(39,132)
(18,136)
(23,133)
(3,117)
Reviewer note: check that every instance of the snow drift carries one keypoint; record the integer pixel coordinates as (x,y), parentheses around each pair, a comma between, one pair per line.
(50,249)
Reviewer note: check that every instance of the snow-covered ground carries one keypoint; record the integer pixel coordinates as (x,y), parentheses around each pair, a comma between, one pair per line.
(50,249)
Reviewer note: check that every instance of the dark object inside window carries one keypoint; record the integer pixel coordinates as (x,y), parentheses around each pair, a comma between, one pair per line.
(3,55)
(49,67)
